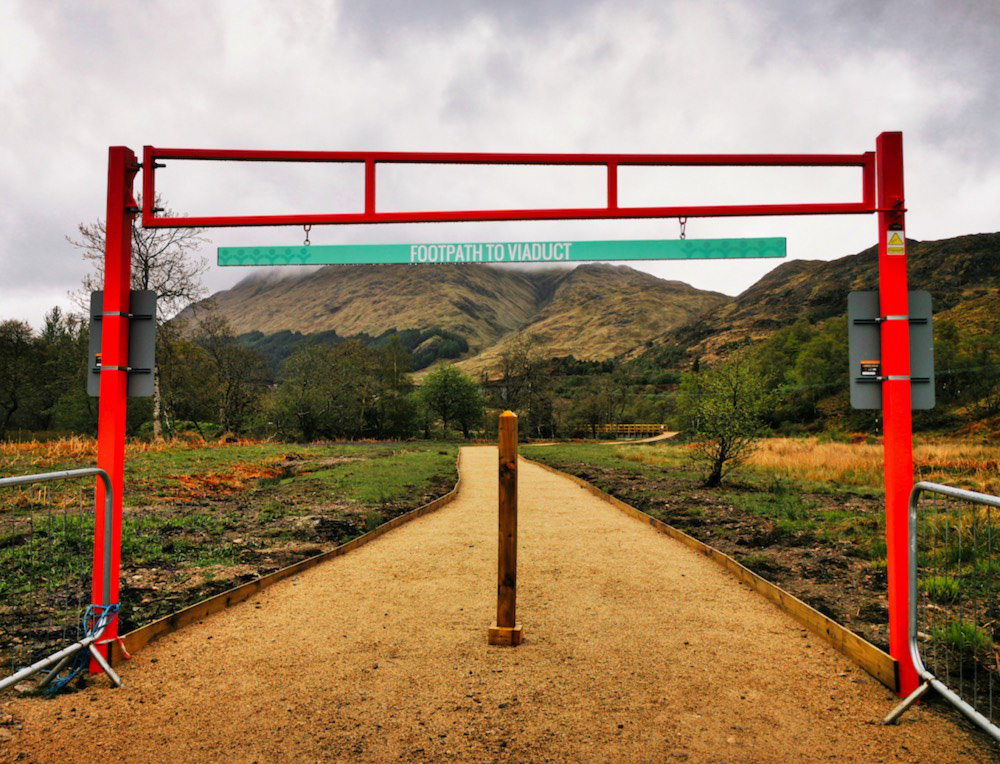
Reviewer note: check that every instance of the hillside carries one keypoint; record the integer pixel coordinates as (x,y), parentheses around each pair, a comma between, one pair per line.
(481,304)
(593,312)
(962,274)
(600,311)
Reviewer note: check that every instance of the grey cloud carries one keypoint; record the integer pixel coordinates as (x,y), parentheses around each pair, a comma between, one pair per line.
(378,22)
(596,75)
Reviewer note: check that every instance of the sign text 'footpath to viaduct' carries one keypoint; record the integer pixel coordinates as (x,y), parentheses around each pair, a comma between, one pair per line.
(505,252)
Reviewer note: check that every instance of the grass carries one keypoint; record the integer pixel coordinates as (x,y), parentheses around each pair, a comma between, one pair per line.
(789,483)
(759,562)
(192,511)
(657,456)
(273,510)
(46,553)
(941,589)
(958,533)
(605,457)
(373,520)
(878,552)
(392,476)
(788,508)
(815,465)
(963,637)
(162,471)
(815,461)
(958,463)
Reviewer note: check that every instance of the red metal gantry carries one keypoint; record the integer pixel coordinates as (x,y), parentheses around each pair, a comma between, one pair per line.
(881,193)
(371,159)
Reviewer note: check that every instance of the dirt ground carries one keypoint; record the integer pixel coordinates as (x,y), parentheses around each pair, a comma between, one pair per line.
(636,649)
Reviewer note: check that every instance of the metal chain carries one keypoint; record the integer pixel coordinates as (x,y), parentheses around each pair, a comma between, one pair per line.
(307,229)
(683,222)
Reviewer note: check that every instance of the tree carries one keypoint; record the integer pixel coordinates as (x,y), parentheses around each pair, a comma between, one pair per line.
(453,396)
(525,386)
(966,364)
(818,370)
(188,383)
(63,344)
(394,411)
(724,407)
(164,260)
(590,406)
(325,391)
(19,370)
(240,373)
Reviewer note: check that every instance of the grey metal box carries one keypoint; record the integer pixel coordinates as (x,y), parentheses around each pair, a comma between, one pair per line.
(864,333)
(141,343)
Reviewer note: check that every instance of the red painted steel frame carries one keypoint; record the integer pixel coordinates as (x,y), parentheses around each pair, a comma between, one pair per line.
(884,166)
(896,409)
(371,159)
(122,168)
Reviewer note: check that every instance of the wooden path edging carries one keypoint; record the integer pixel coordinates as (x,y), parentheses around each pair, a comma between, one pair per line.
(876,662)
(139,638)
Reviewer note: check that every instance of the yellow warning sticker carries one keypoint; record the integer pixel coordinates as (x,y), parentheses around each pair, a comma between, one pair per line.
(897,243)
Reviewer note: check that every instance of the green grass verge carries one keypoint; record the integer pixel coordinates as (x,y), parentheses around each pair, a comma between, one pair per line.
(171,527)
(382,477)
(665,471)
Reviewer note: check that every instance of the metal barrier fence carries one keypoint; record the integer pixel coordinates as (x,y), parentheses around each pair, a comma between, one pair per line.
(46,554)
(954,540)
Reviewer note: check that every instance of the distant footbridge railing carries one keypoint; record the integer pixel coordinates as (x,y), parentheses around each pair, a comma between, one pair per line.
(632,430)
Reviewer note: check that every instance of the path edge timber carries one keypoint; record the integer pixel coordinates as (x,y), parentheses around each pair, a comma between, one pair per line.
(138,638)
(872,659)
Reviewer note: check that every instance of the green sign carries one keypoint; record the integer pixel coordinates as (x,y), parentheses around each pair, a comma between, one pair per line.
(505,252)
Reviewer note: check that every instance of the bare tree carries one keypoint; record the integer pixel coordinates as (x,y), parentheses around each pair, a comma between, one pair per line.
(164,260)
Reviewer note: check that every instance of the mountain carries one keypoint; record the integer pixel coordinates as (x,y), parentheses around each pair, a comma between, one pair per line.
(599,311)
(962,275)
(480,303)
(593,311)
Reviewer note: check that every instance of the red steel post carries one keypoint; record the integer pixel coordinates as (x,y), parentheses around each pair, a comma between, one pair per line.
(122,168)
(896,409)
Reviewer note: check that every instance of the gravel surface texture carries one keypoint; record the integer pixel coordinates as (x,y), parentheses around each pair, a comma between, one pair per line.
(636,649)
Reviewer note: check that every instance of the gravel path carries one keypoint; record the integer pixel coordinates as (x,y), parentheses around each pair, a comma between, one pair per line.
(636,649)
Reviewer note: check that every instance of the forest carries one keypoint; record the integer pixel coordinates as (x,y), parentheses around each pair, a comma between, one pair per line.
(212,382)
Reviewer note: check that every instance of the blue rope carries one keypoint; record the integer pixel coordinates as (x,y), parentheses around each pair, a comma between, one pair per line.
(95,618)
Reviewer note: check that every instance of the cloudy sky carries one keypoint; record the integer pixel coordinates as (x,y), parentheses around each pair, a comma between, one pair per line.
(670,76)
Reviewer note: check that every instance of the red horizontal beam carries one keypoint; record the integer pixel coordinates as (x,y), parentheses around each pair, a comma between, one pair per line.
(480,216)
(611,210)
(438,157)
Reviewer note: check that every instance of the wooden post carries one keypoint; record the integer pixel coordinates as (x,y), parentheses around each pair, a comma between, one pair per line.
(506,630)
